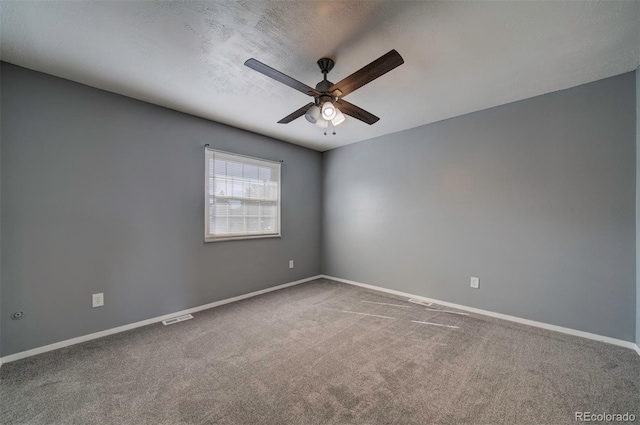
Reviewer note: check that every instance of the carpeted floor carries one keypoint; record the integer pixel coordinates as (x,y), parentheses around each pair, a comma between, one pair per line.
(307,355)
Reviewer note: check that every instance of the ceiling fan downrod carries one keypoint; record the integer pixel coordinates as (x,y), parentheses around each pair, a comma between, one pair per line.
(326,65)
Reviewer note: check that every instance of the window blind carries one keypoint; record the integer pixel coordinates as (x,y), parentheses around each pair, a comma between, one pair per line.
(242,196)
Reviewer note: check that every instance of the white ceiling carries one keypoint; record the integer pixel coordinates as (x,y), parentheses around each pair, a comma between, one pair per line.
(459,57)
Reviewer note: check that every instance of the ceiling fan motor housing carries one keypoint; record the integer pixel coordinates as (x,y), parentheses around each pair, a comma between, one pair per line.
(324,95)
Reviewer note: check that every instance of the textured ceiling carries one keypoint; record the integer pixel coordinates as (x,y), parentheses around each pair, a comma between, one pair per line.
(459,56)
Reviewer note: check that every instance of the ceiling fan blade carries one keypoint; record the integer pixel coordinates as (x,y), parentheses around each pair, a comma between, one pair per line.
(279,76)
(297,114)
(375,69)
(356,112)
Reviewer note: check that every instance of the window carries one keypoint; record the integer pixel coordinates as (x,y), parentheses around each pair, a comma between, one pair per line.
(242,197)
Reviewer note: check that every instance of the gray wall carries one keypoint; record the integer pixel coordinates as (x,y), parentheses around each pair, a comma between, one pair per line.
(637,206)
(537,198)
(1,314)
(103,193)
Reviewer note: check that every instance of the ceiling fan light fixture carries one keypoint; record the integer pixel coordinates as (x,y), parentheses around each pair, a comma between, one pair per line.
(322,123)
(328,111)
(312,114)
(338,119)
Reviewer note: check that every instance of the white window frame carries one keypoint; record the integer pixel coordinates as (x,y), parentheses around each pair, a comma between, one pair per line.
(207,235)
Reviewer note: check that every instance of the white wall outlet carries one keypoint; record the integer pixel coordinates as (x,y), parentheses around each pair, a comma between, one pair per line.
(290,264)
(97,300)
(475,282)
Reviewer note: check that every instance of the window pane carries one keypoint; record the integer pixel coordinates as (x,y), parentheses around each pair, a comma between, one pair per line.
(253,208)
(253,224)
(271,190)
(251,172)
(220,186)
(229,191)
(257,191)
(220,168)
(267,224)
(221,209)
(238,188)
(236,207)
(220,226)
(234,169)
(264,174)
(269,210)
(251,189)
(236,224)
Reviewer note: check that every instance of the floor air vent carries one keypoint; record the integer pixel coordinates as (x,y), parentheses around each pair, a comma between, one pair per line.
(415,301)
(177,319)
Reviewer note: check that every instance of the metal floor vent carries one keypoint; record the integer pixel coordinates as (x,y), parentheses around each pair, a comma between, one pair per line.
(415,301)
(177,319)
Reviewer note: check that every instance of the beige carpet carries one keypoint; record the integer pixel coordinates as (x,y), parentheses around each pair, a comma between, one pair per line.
(324,353)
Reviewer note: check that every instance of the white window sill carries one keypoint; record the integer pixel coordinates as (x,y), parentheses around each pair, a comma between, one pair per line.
(238,238)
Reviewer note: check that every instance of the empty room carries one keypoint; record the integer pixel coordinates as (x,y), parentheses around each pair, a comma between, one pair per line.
(319,212)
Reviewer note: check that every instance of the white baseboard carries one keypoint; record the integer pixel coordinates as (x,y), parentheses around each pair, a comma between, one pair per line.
(609,340)
(95,335)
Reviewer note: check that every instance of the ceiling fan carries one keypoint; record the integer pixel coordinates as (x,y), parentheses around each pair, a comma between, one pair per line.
(328,105)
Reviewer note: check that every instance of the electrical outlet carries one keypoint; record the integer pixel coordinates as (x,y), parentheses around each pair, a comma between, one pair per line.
(97,300)
(290,264)
(475,282)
